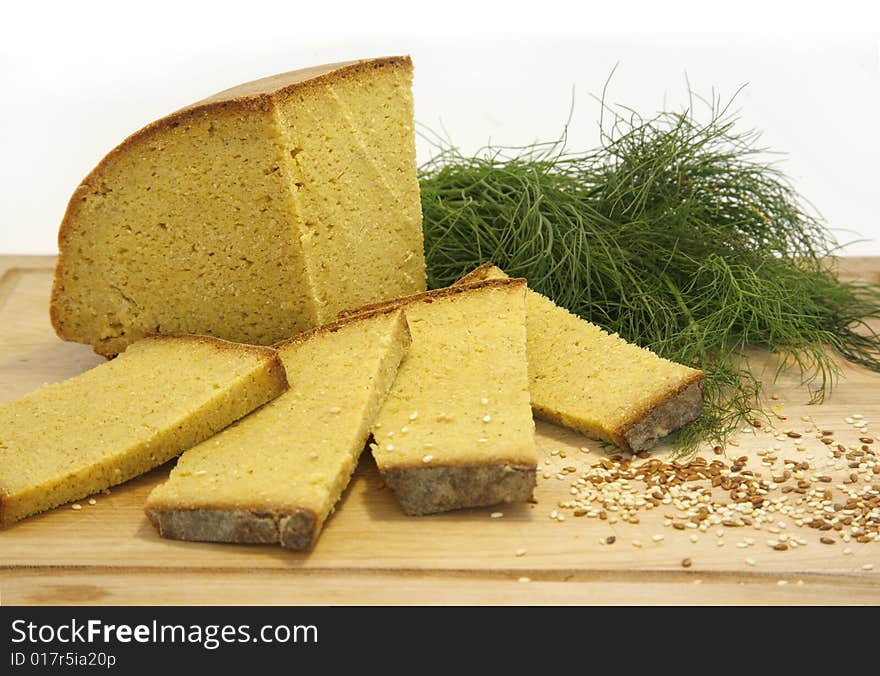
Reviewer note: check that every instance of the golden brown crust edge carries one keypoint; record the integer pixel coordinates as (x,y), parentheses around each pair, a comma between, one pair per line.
(211,341)
(430,296)
(663,415)
(478,274)
(340,323)
(297,529)
(430,490)
(260,99)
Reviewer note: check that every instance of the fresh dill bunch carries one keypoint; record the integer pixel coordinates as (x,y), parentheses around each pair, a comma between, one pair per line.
(677,234)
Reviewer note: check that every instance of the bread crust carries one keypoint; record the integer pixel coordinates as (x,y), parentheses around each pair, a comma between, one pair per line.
(297,529)
(478,274)
(339,323)
(431,296)
(255,95)
(662,416)
(218,343)
(429,490)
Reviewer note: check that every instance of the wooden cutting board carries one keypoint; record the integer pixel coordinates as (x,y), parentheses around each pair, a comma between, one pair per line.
(369,553)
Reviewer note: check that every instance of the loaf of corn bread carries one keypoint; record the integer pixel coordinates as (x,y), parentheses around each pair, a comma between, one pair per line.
(252,215)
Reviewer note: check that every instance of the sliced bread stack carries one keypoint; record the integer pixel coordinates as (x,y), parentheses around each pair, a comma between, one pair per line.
(276,475)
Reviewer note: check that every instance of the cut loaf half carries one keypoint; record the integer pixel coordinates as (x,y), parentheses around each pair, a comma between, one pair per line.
(252,215)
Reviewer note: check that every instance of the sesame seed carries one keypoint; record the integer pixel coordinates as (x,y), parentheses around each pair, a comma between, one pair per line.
(524,579)
(487,418)
(335,409)
(686,563)
(413,415)
(76,507)
(427,459)
(496,515)
(389,447)
(200,472)
(868,566)
(657,538)
(610,540)
(484,401)
(782,583)
(694,538)
(520,552)
(751,562)
(404,429)
(92,501)
(637,544)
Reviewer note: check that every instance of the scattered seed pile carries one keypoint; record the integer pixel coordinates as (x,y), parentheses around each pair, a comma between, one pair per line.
(828,487)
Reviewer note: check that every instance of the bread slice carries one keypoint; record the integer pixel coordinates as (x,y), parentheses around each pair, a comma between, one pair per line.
(594,382)
(457,430)
(164,394)
(276,475)
(252,215)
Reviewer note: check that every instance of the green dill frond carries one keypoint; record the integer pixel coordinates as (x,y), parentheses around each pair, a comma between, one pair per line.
(677,234)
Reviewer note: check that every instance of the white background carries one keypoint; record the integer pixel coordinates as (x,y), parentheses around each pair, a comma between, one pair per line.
(79,77)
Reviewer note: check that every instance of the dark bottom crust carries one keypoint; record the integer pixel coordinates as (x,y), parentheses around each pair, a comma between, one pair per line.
(296,530)
(428,490)
(678,410)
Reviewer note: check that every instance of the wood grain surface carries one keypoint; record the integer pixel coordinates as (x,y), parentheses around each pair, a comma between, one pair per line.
(370,553)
